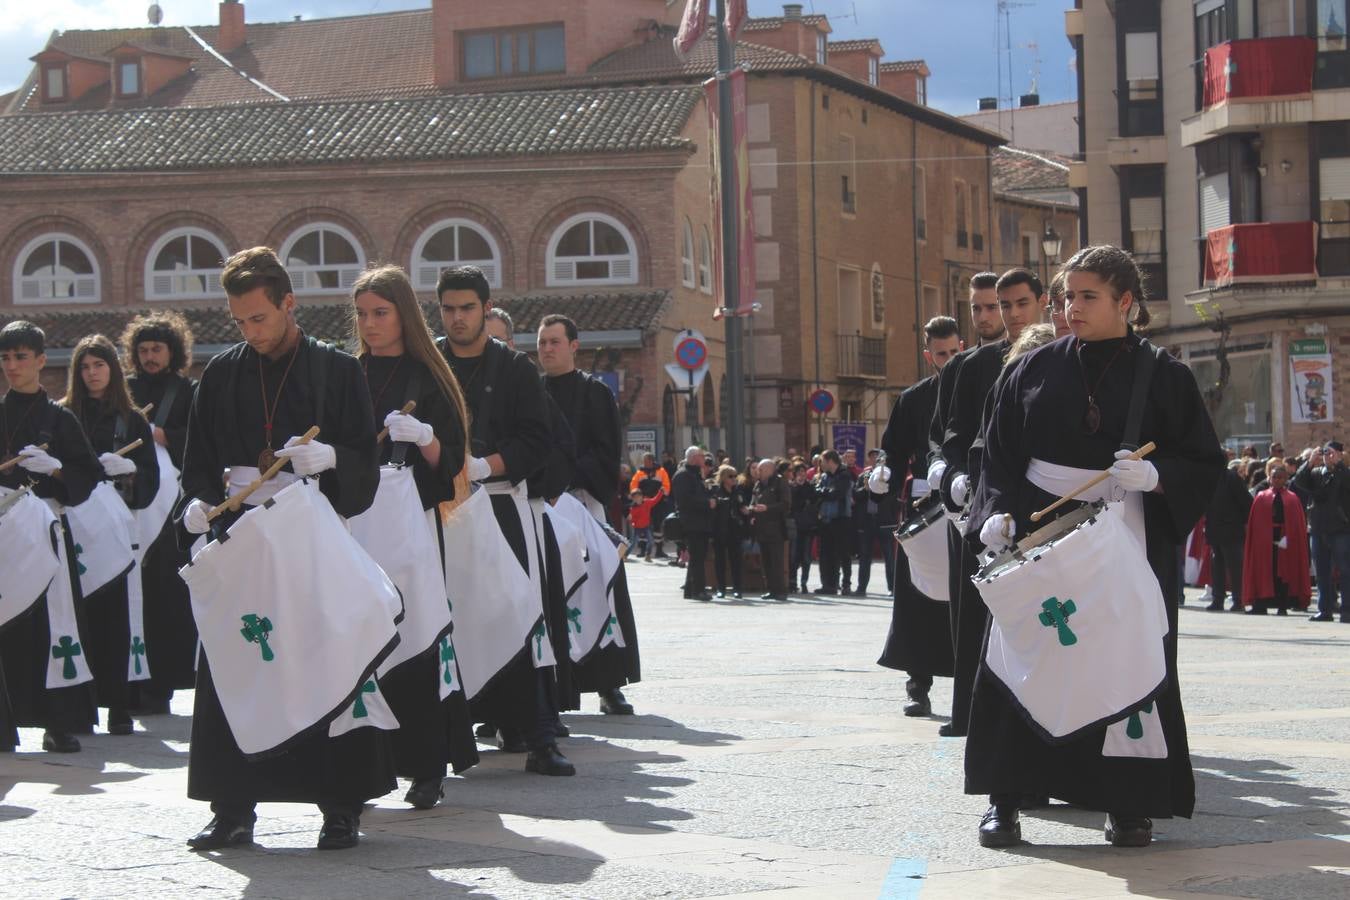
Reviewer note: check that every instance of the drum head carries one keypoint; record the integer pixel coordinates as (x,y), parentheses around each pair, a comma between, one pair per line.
(11,499)
(930,511)
(1039,540)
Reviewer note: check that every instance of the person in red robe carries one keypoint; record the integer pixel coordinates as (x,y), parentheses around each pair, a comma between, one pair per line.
(1275,561)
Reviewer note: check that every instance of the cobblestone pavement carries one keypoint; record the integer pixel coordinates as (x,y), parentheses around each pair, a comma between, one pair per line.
(768,759)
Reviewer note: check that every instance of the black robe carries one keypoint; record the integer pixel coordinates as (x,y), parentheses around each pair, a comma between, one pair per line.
(170,630)
(1038,413)
(225,429)
(551,481)
(26,640)
(430,733)
(920,639)
(108,642)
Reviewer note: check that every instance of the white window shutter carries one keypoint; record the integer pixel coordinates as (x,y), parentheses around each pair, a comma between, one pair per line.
(1213,202)
(621,269)
(1141,56)
(427,276)
(161,284)
(30,289)
(84,288)
(489,272)
(347,276)
(1146,214)
(1334,178)
(563,271)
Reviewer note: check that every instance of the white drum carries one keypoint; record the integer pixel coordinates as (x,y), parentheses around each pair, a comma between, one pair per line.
(29,536)
(294,617)
(1079,622)
(924,541)
(103,531)
(150,520)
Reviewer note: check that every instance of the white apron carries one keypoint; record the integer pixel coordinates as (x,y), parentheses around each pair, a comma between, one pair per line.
(293,615)
(590,610)
(150,520)
(102,529)
(29,533)
(370,709)
(67,664)
(541,654)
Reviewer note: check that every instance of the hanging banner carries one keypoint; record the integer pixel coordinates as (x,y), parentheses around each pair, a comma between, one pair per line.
(737,13)
(742,227)
(850,436)
(692,26)
(1310,381)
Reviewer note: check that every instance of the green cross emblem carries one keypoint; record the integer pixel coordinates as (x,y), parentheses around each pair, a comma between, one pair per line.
(609,626)
(79,551)
(256,631)
(137,651)
(1134,728)
(359,712)
(66,650)
(1056,615)
(539,641)
(574,617)
(448,657)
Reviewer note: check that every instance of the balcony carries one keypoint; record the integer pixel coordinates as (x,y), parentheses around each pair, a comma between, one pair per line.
(1251,84)
(862,357)
(1265,253)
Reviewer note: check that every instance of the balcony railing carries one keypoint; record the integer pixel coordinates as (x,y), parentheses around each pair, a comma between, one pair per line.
(1261,253)
(861,357)
(1259,69)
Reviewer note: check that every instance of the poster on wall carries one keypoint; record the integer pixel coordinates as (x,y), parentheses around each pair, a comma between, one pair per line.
(640,441)
(1310,381)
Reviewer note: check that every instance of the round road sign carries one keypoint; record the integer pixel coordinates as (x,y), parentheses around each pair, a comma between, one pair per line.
(691,353)
(821,400)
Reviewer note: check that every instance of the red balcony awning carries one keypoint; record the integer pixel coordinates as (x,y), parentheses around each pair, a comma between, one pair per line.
(1261,252)
(1257,69)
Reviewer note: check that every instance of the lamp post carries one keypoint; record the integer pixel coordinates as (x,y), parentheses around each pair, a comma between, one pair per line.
(1050,247)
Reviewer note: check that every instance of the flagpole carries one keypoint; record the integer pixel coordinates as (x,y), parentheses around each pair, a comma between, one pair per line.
(734,414)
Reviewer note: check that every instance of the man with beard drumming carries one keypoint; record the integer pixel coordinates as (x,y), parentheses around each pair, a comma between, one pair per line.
(920,639)
(158,349)
(253,403)
(1066,407)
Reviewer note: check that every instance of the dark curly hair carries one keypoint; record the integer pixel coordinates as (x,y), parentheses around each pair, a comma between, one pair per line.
(1118,269)
(167,327)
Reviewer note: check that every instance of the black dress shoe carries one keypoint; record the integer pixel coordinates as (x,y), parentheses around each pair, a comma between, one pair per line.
(947,729)
(486,730)
(561,730)
(512,743)
(736,595)
(548,761)
(1216,606)
(767,596)
(917,708)
(221,833)
(119,722)
(1129,831)
(720,594)
(824,591)
(703,597)
(340,832)
(424,793)
(613,703)
(1237,608)
(1320,617)
(1000,827)
(59,742)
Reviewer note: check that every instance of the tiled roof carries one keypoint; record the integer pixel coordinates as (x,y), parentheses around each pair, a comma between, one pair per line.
(1021,171)
(905,65)
(769,23)
(331,321)
(584,120)
(848,46)
(657,58)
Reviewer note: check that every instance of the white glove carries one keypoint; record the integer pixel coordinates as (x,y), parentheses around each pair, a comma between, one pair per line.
(935,473)
(879,481)
(997,532)
(961,490)
(308,459)
(478,468)
(1134,474)
(114,465)
(38,461)
(405,428)
(195,518)
(1283,543)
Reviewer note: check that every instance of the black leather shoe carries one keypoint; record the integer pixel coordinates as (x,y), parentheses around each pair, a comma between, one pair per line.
(561,730)
(917,708)
(947,729)
(1237,608)
(613,703)
(767,596)
(424,793)
(221,833)
(512,743)
(339,832)
(119,722)
(486,730)
(702,596)
(1129,831)
(59,742)
(720,594)
(736,595)
(824,591)
(1000,827)
(1216,606)
(1320,617)
(548,761)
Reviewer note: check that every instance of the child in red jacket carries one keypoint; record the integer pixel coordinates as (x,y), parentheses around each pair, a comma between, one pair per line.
(640,515)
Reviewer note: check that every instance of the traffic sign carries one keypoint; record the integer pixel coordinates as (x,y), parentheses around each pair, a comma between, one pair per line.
(691,353)
(821,400)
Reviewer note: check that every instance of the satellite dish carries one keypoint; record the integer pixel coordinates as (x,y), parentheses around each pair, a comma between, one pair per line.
(155,14)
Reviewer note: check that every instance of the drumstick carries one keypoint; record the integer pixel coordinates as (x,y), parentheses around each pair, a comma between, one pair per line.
(406,410)
(146,410)
(6,466)
(234,502)
(128,448)
(1096,480)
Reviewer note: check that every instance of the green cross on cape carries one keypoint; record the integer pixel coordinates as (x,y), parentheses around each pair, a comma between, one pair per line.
(1056,615)
(448,657)
(79,551)
(66,650)
(574,617)
(256,630)
(1134,728)
(137,651)
(360,711)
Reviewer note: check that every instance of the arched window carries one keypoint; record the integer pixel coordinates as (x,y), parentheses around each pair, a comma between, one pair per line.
(183,264)
(705,272)
(56,268)
(322,258)
(455,242)
(687,256)
(591,248)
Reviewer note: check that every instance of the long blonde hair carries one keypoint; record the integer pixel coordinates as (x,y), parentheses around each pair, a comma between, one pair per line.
(391,283)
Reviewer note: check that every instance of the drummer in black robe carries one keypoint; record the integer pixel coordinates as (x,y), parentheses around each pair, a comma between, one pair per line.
(509,441)
(593,414)
(158,347)
(1067,404)
(96,392)
(66,472)
(254,399)
(402,364)
(920,639)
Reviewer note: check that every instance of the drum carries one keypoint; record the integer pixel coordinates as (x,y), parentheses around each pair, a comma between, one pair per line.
(923,537)
(29,536)
(590,609)
(1078,622)
(401,536)
(150,520)
(104,534)
(294,617)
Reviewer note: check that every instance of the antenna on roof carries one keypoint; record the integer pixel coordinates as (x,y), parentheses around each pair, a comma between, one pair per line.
(154,14)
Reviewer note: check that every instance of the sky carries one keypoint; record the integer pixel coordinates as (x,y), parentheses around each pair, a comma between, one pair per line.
(964,61)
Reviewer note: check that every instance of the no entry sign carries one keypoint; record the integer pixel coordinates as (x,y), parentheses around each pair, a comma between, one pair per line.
(821,400)
(691,353)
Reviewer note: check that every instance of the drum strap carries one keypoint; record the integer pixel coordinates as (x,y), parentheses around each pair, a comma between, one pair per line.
(120,432)
(398,456)
(1145,361)
(166,403)
(320,364)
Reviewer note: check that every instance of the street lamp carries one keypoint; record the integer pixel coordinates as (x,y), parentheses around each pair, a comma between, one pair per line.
(1050,245)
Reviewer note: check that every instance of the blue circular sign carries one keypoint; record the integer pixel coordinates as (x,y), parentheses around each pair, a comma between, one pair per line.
(821,400)
(691,353)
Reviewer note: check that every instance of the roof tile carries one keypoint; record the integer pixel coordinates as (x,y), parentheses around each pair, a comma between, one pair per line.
(1016,171)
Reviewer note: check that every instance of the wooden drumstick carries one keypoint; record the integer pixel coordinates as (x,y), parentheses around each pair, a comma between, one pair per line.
(1095,480)
(406,410)
(146,410)
(129,447)
(6,466)
(237,500)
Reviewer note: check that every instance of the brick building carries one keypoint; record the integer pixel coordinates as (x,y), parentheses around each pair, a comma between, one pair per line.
(567,156)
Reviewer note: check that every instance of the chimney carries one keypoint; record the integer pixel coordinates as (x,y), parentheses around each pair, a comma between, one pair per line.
(792,10)
(1029,100)
(232,35)
(988,103)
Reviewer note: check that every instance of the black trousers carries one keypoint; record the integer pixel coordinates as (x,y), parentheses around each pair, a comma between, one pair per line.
(836,554)
(694,580)
(771,550)
(728,555)
(245,813)
(869,530)
(801,555)
(1225,570)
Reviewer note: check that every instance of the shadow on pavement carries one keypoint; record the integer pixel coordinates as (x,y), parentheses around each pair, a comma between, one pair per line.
(654,728)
